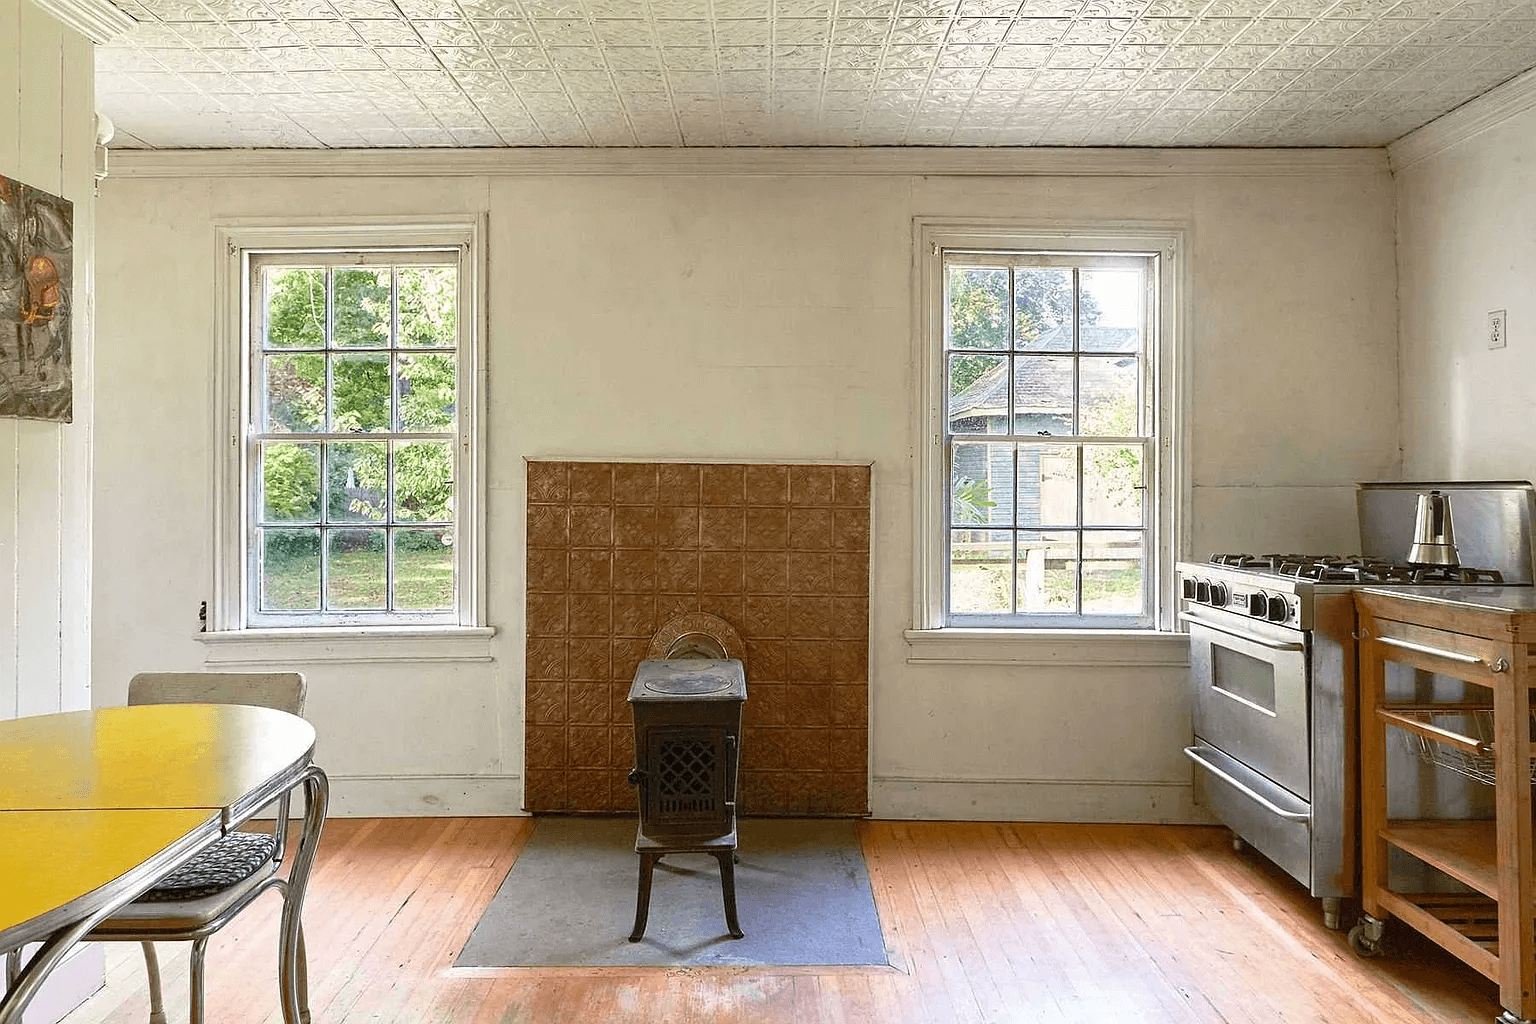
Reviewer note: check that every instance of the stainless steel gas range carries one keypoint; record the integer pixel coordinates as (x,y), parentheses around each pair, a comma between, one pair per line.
(1272,655)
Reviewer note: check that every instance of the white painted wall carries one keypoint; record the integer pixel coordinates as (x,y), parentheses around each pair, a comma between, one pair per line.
(760,316)
(47,139)
(1467,245)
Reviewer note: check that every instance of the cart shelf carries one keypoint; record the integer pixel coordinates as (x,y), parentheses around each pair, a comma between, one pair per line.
(1465,850)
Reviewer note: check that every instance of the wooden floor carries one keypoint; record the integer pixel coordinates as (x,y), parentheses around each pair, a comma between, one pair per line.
(988,922)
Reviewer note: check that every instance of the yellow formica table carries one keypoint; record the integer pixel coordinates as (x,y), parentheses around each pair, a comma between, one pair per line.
(96,806)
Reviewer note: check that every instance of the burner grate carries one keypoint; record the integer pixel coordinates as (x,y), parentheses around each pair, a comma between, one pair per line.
(1358,569)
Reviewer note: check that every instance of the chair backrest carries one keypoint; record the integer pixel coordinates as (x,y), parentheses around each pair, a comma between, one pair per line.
(281,690)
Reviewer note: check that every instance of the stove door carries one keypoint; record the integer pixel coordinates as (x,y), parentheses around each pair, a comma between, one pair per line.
(1250,694)
(687,771)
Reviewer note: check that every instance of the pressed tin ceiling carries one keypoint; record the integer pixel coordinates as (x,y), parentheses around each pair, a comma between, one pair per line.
(712,73)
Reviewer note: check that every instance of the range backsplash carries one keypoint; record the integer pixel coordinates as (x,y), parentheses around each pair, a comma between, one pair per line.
(781,552)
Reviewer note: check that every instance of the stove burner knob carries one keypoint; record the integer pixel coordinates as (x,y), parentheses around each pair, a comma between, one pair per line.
(1219,595)
(1279,609)
(1189,588)
(1258,604)
(1203,591)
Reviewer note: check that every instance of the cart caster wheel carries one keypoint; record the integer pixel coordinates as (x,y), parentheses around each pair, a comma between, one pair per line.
(1363,944)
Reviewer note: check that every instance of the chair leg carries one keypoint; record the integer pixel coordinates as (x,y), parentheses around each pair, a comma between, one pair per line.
(728,890)
(199,952)
(643,895)
(292,980)
(301,977)
(152,968)
(12,967)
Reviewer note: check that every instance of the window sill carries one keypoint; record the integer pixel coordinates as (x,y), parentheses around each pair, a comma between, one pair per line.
(347,644)
(1068,647)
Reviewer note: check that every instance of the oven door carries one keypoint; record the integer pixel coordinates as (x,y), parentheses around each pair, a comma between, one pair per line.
(1250,694)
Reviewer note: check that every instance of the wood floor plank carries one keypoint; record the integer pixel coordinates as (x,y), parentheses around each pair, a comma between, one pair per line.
(987,922)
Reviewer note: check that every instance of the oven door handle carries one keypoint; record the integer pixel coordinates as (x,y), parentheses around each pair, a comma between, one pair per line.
(1194,754)
(1274,645)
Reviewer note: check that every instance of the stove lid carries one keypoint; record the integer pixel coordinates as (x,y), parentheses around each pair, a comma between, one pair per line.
(688,679)
(1493,521)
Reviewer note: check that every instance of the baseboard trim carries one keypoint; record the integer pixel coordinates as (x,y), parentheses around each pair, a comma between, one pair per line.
(426,796)
(1075,800)
(910,798)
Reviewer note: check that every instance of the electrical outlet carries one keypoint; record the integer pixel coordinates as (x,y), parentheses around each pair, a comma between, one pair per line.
(1498,328)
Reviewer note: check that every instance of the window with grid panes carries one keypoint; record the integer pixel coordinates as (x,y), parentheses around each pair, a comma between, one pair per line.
(356,367)
(1049,438)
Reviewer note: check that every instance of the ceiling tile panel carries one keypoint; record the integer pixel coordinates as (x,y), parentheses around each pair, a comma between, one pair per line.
(505,33)
(567,59)
(1010,80)
(352,9)
(1244,57)
(1211,31)
(1134,55)
(1041,30)
(632,58)
(185,62)
(920,32)
(1052,8)
(1012,56)
(1077,57)
(978,30)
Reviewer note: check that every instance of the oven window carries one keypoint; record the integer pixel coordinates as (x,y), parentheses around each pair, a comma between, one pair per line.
(1248,679)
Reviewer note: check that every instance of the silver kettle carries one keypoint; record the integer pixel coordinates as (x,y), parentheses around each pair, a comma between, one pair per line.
(1434,540)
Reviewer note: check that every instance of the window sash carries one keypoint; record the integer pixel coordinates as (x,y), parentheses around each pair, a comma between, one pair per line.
(255,349)
(1146,440)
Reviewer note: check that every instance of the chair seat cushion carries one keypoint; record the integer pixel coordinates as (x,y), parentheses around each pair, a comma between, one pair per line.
(226,863)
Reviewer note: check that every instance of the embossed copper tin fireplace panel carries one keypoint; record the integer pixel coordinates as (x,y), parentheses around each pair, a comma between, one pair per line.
(781,552)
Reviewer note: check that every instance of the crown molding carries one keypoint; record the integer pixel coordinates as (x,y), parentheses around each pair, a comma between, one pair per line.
(1018,162)
(97,20)
(1467,121)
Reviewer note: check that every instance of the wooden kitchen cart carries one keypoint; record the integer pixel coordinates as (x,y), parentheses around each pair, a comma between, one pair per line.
(1484,636)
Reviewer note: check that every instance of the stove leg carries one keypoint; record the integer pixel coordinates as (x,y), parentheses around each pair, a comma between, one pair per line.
(728,888)
(1332,906)
(643,896)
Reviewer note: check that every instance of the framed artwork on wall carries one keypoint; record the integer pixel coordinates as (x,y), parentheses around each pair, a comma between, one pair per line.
(36,302)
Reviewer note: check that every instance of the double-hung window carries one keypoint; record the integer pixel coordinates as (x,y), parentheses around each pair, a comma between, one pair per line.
(350,494)
(1048,464)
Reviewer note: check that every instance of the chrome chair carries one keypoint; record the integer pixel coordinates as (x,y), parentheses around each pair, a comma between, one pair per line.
(198,899)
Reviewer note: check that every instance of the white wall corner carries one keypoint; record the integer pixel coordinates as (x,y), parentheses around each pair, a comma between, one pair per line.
(1472,118)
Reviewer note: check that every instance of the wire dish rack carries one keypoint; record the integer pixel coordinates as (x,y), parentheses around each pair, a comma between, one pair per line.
(1456,739)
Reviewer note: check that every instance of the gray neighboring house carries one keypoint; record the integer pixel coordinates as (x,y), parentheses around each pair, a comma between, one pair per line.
(1042,406)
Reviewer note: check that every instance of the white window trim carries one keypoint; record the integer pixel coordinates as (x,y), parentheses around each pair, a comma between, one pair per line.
(1169,514)
(233,240)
